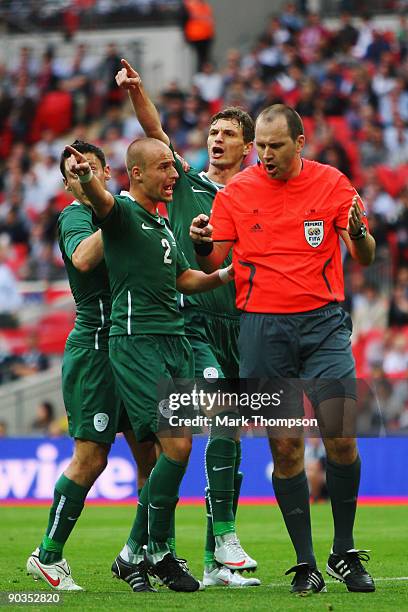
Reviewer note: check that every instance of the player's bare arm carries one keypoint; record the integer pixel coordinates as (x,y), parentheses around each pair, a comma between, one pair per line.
(89,253)
(101,200)
(127,78)
(209,254)
(194,281)
(359,242)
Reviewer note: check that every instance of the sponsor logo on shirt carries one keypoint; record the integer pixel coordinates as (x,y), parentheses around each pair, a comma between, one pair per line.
(199,190)
(256,228)
(314,232)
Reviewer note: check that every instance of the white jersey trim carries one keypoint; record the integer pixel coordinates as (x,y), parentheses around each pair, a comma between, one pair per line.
(203,176)
(102,325)
(129,330)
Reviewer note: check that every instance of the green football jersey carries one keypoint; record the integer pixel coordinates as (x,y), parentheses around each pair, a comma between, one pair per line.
(194,194)
(90,290)
(143,262)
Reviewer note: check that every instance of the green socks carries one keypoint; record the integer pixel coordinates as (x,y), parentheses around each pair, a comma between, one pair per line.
(156,512)
(138,537)
(69,499)
(164,483)
(238,476)
(220,456)
(292,495)
(343,482)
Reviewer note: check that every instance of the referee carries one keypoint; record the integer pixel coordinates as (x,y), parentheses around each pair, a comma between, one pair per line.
(284,218)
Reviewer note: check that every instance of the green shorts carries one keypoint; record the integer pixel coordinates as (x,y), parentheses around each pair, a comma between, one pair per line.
(147,369)
(91,401)
(313,347)
(214,339)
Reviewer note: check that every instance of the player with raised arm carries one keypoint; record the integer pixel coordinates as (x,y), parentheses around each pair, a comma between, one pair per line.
(211,321)
(147,343)
(91,401)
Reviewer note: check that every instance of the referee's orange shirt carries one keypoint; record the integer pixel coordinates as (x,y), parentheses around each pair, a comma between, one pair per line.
(286,252)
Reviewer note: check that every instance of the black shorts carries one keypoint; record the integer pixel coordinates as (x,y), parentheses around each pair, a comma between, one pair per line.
(306,352)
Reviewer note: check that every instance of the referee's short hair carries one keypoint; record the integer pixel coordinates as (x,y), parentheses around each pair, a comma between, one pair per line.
(293,119)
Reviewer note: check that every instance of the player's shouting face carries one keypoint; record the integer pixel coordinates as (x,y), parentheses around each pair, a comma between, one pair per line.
(72,183)
(226,146)
(278,152)
(157,175)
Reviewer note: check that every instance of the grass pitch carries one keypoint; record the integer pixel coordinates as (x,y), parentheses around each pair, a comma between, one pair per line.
(101,532)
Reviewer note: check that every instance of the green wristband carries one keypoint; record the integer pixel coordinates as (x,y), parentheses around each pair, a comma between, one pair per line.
(85,178)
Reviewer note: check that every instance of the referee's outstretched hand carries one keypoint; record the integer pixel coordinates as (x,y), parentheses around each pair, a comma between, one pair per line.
(200,230)
(76,162)
(127,78)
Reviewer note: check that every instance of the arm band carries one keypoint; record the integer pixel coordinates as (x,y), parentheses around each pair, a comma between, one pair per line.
(86,178)
(224,276)
(203,249)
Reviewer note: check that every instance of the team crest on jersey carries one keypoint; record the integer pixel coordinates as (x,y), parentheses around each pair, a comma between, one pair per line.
(314,232)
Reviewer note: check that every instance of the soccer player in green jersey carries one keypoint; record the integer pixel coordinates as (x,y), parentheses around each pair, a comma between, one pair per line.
(147,343)
(90,398)
(211,320)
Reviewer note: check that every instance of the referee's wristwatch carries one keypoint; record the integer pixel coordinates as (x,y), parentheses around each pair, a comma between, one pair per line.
(362,233)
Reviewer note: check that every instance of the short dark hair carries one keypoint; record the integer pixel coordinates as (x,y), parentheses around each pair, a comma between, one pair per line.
(82,147)
(293,119)
(243,119)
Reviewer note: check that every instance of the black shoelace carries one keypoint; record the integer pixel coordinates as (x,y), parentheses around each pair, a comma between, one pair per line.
(354,560)
(172,568)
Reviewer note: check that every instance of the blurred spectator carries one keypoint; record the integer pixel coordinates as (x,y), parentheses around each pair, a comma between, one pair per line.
(290,18)
(12,221)
(199,28)
(370,312)
(32,360)
(365,37)
(396,356)
(398,313)
(106,84)
(6,359)
(196,152)
(376,199)
(45,414)
(400,229)
(312,37)
(3,429)
(209,82)
(10,298)
(372,149)
(347,36)
(377,47)
(396,141)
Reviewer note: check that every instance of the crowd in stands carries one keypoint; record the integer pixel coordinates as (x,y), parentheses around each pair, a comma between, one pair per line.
(350,85)
(70,15)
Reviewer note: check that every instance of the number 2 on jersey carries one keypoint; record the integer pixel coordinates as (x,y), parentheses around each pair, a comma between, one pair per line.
(167,247)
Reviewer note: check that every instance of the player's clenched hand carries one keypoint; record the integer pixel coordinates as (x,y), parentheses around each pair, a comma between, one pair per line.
(355,216)
(77,163)
(200,230)
(127,77)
